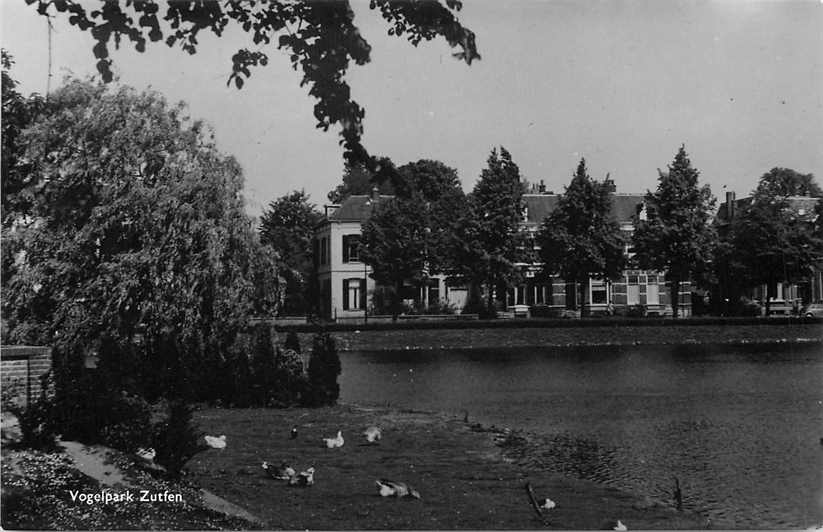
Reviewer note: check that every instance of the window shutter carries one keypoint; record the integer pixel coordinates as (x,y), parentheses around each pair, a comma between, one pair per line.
(345,248)
(363,294)
(345,294)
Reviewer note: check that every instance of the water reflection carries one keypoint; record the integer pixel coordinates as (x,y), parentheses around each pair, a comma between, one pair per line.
(740,427)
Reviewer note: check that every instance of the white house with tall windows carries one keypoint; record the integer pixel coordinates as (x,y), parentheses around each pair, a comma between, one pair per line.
(345,285)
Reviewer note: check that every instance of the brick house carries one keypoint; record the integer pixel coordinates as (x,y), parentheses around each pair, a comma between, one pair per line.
(345,287)
(788,296)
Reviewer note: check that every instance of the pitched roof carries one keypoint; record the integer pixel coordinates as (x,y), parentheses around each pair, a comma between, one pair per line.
(355,209)
(624,206)
(539,206)
(802,205)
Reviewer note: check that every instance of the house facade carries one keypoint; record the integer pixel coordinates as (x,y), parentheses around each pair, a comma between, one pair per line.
(788,297)
(346,289)
(636,291)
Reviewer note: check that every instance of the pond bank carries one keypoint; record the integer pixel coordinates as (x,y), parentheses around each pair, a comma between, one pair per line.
(464,473)
(614,335)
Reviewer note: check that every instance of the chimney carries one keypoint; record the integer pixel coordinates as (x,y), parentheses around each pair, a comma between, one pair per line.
(729,205)
(609,183)
(541,188)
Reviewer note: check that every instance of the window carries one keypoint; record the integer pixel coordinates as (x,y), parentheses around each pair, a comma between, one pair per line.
(354,295)
(323,249)
(351,248)
(652,294)
(540,294)
(599,292)
(434,291)
(633,294)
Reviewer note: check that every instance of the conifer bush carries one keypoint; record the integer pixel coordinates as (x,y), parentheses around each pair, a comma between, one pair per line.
(324,368)
(176,439)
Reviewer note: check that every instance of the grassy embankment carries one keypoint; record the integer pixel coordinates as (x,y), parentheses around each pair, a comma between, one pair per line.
(462,471)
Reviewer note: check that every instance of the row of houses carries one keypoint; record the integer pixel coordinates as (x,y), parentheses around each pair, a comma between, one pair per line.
(346,288)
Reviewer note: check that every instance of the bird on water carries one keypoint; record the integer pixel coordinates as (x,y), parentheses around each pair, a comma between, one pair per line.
(337,441)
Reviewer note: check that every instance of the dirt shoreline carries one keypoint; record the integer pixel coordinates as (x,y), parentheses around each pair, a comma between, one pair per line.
(465,477)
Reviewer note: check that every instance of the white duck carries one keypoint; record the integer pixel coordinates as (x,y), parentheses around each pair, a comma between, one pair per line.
(331,443)
(284,472)
(216,442)
(373,434)
(146,454)
(548,504)
(303,478)
(389,488)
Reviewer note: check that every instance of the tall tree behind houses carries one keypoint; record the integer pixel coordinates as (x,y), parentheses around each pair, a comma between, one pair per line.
(677,236)
(287,226)
(772,240)
(492,231)
(579,239)
(358,181)
(394,245)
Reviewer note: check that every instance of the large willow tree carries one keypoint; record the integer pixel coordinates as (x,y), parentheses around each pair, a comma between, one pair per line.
(133,233)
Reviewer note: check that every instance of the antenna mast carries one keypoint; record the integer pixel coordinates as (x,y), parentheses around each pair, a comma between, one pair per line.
(48,80)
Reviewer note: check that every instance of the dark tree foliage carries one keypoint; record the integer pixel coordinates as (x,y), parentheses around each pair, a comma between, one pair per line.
(785,182)
(580,239)
(292,342)
(437,191)
(136,231)
(176,439)
(359,181)
(18,113)
(324,368)
(770,240)
(393,243)
(287,226)
(321,39)
(677,237)
(409,237)
(490,229)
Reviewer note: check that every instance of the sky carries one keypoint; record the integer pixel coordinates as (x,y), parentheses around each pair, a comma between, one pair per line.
(622,83)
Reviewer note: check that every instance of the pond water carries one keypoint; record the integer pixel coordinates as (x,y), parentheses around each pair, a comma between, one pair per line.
(741,427)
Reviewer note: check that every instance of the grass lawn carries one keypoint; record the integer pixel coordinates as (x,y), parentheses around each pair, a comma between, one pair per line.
(460,470)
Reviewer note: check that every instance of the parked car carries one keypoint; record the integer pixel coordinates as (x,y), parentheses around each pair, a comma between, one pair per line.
(813,310)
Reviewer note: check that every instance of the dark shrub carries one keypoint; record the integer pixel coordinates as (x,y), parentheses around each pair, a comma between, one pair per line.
(176,439)
(476,304)
(324,367)
(262,366)
(749,308)
(126,423)
(636,311)
(93,407)
(434,307)
(292,342)
(290,382)
(38,422)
